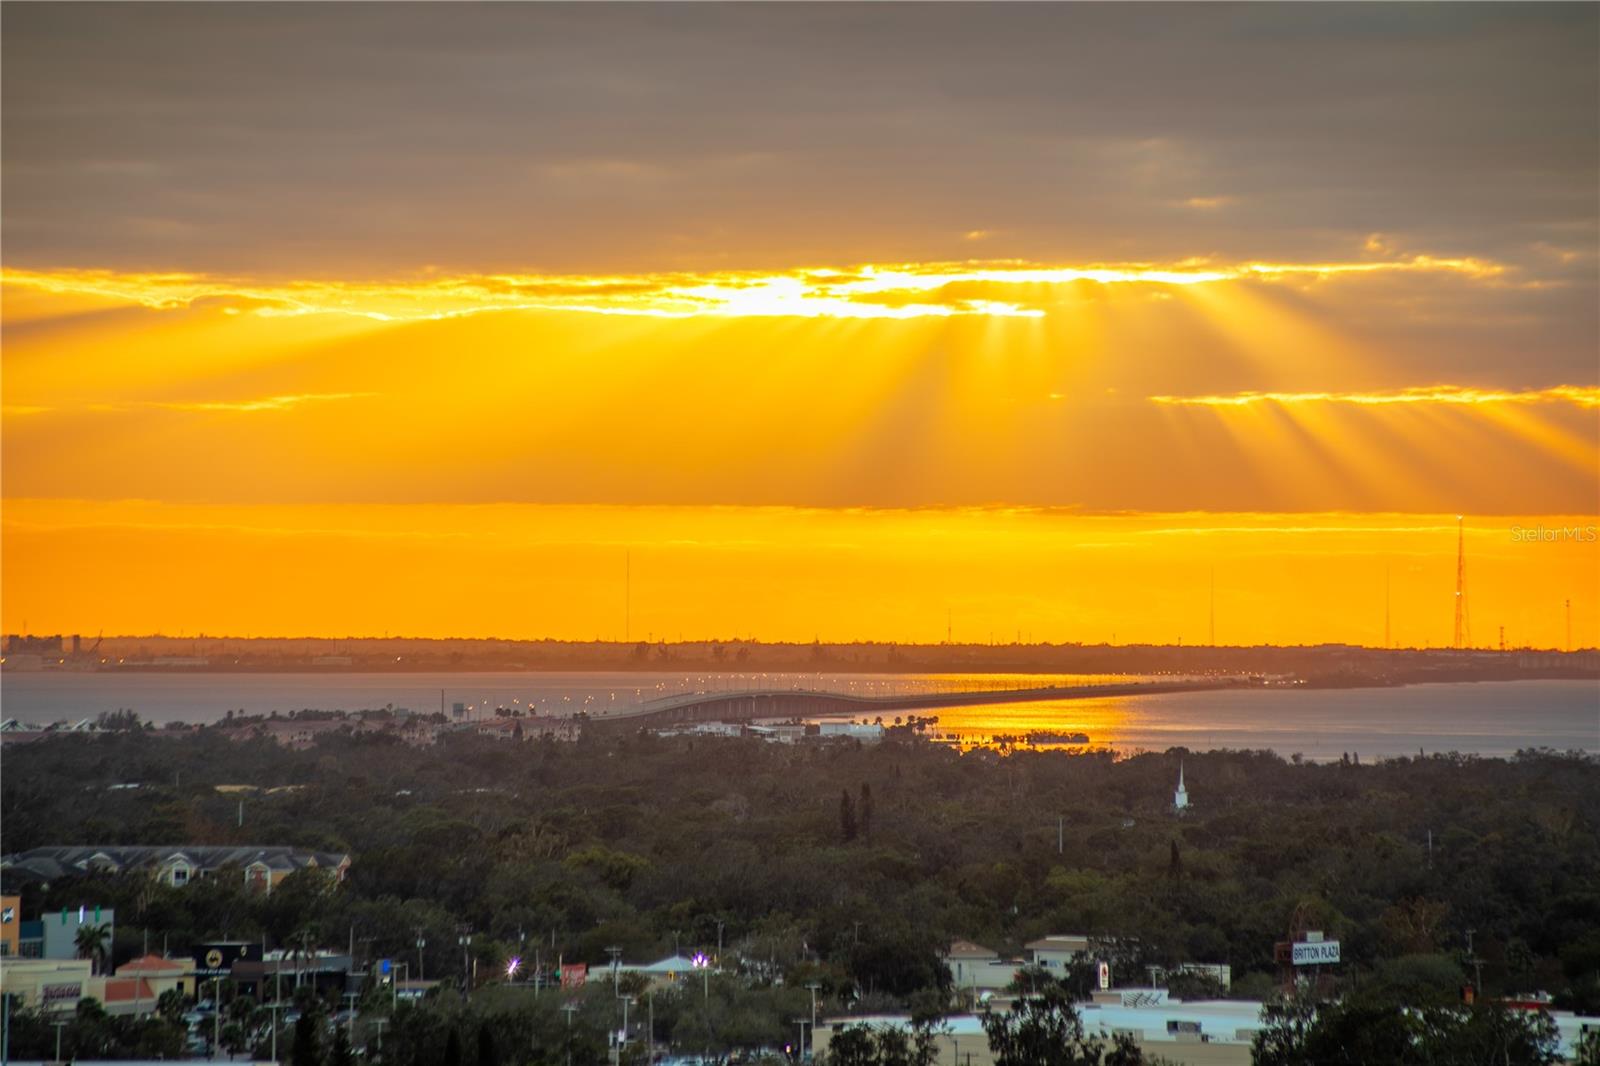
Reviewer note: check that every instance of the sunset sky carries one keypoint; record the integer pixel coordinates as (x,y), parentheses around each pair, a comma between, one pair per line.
(830,321)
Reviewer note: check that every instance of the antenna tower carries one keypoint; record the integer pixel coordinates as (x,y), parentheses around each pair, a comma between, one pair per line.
(1386,582)
(1213,607)
(1463,627)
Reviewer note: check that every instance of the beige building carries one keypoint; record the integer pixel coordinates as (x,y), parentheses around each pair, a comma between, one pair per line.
(261,867)
(160,975)
(1057,952)
(47,985)
(55,986)
(975,969)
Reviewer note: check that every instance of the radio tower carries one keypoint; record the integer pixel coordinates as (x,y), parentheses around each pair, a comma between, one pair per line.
(1463,627)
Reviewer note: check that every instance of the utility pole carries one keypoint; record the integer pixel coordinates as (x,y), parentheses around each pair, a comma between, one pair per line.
(1463,635)
(802,1023)
(277,1001)
(1061,830)
(1477,967)
(813,986)
(569,1010)
(1569,625)
(1387,643)
(616,971)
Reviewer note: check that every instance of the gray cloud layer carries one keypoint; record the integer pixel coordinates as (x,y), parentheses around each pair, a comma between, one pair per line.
(318,139)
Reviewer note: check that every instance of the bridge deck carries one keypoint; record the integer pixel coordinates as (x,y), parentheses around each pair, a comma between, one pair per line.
(789,703)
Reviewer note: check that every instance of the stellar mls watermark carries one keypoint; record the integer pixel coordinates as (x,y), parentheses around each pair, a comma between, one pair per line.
(1543,534)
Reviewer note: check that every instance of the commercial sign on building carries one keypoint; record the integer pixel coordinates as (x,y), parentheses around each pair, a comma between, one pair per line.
(574,975)
(1316,953)
(51,996)
(217,959)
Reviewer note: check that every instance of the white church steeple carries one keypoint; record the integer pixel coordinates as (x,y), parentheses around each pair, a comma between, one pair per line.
(1180,798)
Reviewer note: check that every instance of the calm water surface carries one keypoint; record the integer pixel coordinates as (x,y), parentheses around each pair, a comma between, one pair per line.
(1486,718)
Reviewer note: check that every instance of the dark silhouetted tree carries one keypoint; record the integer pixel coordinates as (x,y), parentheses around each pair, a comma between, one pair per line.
(488,1054)
(307,1040)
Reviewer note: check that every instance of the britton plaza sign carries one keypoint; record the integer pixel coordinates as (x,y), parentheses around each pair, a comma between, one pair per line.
(1316,953)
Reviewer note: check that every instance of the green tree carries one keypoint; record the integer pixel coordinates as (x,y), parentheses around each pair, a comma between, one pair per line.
(863,1045)
(171,1004)
(341,1054)
(1046,1030)
(1587,1053)
(1367,1029)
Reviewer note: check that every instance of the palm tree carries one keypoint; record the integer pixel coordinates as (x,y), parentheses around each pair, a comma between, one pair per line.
(93,943)
(302,946)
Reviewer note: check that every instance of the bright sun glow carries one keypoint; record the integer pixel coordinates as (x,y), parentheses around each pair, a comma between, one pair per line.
(1000,289)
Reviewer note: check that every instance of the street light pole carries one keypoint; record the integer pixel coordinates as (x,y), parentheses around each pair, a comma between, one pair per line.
(277,999)
(622,1037)
(394,985)
(569,1010)
(58,1026)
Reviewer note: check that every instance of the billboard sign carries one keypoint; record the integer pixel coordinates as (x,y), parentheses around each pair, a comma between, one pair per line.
(217,959)
(63,995)
(1316,953)
(574,975)
(1105,976)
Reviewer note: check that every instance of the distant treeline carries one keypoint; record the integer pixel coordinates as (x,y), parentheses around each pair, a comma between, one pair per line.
(1327,664)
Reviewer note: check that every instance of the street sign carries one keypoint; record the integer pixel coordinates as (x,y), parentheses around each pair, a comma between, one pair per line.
(1316,953)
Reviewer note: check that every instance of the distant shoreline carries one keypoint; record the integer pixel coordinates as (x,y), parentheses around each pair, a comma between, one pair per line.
(1319,666)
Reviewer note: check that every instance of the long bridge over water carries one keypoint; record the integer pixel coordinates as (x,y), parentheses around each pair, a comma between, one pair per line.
(757,704)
